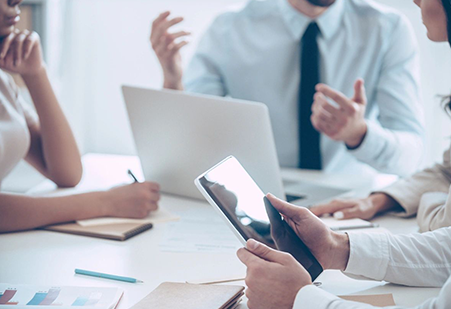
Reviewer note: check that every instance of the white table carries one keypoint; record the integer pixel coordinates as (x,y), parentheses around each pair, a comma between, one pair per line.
(48,258)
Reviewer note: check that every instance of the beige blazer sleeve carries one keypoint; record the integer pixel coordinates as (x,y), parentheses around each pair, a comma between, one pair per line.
(434,211)
(426,193)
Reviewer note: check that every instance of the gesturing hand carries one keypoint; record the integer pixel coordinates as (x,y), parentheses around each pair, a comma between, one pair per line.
(167,50)
(331,249)
(273,278)
(20,52)
(343,123)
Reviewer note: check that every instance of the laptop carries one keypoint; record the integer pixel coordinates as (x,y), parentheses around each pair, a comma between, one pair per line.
(178,136)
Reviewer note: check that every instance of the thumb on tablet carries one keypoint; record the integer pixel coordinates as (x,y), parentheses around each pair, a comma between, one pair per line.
(263,251)
(274,216)
(288,210)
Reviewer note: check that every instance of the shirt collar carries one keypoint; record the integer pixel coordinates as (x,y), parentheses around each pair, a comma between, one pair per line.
(329,22)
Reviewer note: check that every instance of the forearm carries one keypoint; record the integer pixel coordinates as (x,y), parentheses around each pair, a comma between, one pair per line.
(21,212)
(313,297)
(390,151)
(409,191)
(383,202)
(413,260)
(170,83)
(58,152)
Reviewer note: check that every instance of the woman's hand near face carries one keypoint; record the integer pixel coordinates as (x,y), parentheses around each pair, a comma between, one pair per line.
(273,278)
(330,248)
(135,200)
(168,50)
(21,53)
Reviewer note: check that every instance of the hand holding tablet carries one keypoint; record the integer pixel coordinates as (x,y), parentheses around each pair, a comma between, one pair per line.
(244,207)
(286,240)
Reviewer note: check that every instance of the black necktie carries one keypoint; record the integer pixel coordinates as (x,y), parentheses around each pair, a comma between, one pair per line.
(309,138)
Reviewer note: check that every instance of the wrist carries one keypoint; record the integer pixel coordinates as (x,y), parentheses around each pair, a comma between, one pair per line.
(356,139)
(382,202)
(174,83)
(341,251)
(38,73)
(104,203)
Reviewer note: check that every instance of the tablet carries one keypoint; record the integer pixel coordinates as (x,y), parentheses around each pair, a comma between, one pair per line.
(243,205)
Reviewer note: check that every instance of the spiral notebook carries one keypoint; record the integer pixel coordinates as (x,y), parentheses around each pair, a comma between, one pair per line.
(118,231)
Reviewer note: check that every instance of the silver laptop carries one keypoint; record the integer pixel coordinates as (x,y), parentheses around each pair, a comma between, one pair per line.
(178,136)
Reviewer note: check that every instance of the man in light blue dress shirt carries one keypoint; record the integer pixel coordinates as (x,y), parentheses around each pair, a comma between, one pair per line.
(254,54)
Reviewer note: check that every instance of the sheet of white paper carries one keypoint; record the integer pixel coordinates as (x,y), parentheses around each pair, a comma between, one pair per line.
(24,296)
(335,224)
(204,232)
(159,216)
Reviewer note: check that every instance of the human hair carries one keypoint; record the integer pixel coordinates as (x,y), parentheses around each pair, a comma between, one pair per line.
(447,9)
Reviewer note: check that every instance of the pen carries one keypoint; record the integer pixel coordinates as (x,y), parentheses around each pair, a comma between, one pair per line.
(132,176)
(106,276)
(344,228)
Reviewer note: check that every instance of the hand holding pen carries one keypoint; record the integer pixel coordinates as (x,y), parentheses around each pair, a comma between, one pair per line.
(135,200)
(130,173)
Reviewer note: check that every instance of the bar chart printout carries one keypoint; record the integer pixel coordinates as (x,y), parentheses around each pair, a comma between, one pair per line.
(27,296)
(44,298)
(50,297)
(89,301)
(6,297)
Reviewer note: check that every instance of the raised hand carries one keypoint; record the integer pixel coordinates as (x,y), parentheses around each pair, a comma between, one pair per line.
(168,50)
(344,122)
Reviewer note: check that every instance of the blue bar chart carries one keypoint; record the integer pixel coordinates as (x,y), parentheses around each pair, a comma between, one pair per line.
(85,301)
(37,299)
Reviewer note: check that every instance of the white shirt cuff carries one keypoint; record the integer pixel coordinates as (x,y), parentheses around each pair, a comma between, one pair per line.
(312,297)
(372,143)
(369,255)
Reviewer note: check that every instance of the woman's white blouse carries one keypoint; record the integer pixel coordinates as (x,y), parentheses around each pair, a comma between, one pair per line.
(422,260)
(15,118)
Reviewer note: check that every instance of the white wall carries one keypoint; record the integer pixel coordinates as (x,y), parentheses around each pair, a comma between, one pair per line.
(436,80)
(107,45)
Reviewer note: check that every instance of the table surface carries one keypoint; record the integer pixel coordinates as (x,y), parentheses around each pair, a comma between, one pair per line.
(49,258)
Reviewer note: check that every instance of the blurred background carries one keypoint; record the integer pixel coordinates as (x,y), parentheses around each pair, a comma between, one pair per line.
(92,47)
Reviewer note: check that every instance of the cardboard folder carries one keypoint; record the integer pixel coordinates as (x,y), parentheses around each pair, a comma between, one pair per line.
(377,300)
(171,295)
(122,231)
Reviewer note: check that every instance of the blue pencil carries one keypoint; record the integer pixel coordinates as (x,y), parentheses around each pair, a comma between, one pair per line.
(106,276)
